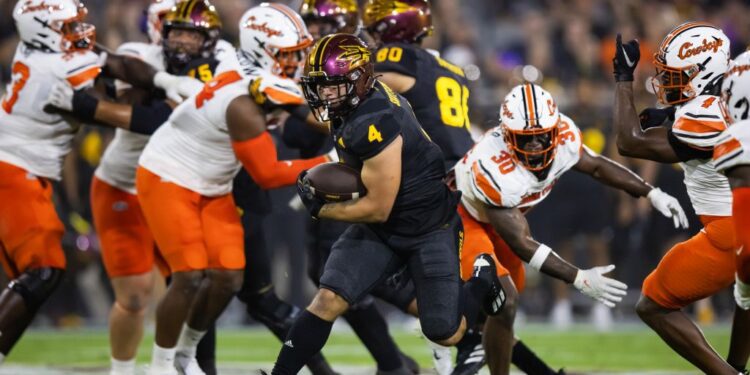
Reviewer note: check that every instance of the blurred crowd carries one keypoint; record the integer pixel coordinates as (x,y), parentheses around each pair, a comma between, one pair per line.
(564,45)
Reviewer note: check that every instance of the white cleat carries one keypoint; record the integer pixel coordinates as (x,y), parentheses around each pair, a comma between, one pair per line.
(187,365)
(442,358)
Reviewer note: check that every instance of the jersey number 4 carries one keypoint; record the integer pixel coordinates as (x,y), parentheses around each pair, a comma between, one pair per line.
(19,82)
(210,88)
(454,102)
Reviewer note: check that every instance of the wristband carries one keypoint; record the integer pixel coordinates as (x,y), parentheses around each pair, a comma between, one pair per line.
(540,255)
(84,106)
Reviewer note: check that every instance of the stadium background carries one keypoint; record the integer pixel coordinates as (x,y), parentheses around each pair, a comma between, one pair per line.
(564,45)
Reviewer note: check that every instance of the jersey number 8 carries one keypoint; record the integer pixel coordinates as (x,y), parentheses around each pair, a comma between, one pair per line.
(454,99)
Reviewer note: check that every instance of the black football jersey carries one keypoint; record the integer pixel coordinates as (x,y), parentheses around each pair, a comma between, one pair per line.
(439,97)
(423,202)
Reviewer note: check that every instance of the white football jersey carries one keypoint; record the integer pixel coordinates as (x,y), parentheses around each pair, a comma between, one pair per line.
(733,147)
(120,160)
(699,124)
(489,177)
(31,138)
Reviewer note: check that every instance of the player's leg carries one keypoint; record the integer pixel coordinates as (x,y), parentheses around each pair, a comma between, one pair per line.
(739,348)
(690,271)
(31,252)
(128,255)
(739,344)
(358,262)
(173,216)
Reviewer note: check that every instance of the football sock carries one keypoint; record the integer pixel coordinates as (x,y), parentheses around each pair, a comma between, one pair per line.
(188,341)
(473,292)
(206,352)
(528,362)
(118,367)
(306,337)
(372,330)
(162,359)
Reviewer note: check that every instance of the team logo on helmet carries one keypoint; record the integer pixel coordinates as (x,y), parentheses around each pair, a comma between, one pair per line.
(28,7)
(355,54)
(263,27)
(687,49)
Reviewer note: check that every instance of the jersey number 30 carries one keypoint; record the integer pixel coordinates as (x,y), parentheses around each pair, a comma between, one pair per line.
(23,74)
(454,99)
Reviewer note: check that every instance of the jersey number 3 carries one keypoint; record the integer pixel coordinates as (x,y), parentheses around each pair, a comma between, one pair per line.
(454,100)
(23,74)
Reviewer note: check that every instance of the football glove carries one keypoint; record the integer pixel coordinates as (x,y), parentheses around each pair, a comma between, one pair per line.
(668,206)
(653,117)
(594,284)
(268,89)
(311,202)
(177,87)
(742,294)
(626,59)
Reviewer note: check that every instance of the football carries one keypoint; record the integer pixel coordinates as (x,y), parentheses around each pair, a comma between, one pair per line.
(335,182)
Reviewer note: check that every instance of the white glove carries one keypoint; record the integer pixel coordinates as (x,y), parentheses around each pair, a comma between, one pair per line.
(332,155)
(594,284)
(61,96)
(277,90)
(742,294)
(668,206)
(177,87)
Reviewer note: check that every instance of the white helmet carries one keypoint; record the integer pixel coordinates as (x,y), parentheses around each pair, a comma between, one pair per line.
(735,91)
(54,25)
(690,61)
(154,15)
(529,114)
(274,38)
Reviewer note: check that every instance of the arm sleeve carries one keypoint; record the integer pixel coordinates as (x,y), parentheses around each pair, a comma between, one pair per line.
(145,119)
(258,156)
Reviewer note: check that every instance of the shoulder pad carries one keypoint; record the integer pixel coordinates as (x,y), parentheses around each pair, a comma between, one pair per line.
(269,89)
(82,68)
(699,122)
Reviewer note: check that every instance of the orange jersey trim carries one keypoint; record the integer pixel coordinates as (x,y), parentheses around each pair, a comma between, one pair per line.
(485,186)
(282,97)
(699,126)
(84,76)
(726,147)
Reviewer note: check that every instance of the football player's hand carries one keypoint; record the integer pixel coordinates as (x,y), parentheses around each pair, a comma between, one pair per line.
(311,202)
(61,96)
(653,117)
(668,206)
(742,294)
(270,89)
(626,59)
(594,284)
(177,87)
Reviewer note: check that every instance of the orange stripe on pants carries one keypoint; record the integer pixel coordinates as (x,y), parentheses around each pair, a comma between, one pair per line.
(30,230)
(696,268)
(193,232)
(481,238)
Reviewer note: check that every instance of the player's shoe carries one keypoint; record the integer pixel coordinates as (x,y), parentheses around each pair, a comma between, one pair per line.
(409,362)
(470,357)
(484,268)
(441,358)
(187,365)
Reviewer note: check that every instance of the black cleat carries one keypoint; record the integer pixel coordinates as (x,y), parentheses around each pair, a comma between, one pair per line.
(484,269)
(410,363)
(470,356)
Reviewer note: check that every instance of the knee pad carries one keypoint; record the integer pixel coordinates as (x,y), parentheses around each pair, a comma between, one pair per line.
(437,328)
(36,285)
(268,309)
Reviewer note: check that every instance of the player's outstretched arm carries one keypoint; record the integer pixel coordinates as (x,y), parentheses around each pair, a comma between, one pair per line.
(400,83)
(255,149)
(632,141)
(613,174)
(381,175)
(512,226)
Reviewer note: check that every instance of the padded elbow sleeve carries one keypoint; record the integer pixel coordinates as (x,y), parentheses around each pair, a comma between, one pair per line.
(36,285)
(147,118)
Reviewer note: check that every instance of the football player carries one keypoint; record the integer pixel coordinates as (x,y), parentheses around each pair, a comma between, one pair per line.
(55,45)
(731,158)
(690,63)
(513,168)
(407,217)
(185,173)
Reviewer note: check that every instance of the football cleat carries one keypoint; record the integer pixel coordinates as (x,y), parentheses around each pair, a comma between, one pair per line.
(187,365)
(470,357)
(484,269)
(441,358)
(410,363)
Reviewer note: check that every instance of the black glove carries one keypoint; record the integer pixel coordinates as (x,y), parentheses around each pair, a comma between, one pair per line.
(626,59)
(311,202)
(653,117)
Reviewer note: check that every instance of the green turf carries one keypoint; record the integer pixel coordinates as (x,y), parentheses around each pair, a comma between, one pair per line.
(630,349)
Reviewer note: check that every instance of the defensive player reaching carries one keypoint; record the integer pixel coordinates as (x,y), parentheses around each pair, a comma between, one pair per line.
(511,170)
(55,46)
(690,63)
(185,173)
(407,217)
(731,158)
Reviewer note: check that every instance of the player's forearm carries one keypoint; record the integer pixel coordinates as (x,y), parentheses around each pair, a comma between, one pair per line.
(614,174)
(131,70)
(550,264)
(363,210)
(113,114)
(627,126)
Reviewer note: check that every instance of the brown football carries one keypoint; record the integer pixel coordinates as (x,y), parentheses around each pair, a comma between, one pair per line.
(335,182)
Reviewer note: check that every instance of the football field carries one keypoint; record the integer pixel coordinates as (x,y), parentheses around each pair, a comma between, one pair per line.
(629,349)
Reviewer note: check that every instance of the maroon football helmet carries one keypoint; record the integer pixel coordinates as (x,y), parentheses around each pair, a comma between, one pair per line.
(390,21)
(330,16)
(338,75)
(197,15)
